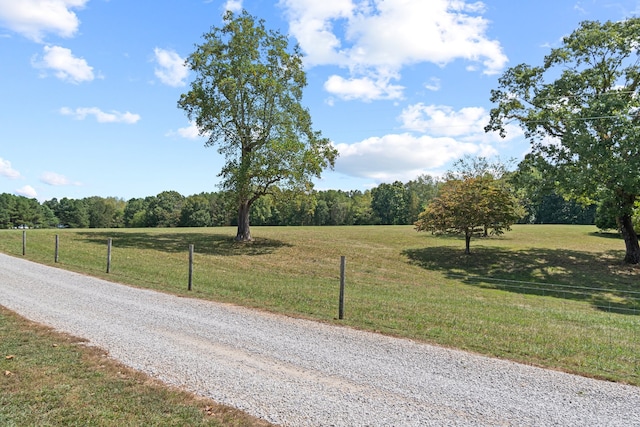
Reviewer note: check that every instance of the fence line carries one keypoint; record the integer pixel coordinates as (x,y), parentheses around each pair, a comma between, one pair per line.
(560,289)
(623,330)
(495,279)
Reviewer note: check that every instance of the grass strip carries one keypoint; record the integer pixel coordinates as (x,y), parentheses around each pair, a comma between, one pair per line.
(53,379)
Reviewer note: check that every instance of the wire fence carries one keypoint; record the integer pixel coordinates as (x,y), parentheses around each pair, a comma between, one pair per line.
(618,321)
(612,299)
(605,330)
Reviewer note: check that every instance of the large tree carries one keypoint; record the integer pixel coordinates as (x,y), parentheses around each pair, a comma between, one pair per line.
(470,206)
(105,212)
(164,209)
(246,99)
(72,213)
(581,111)
(390,203)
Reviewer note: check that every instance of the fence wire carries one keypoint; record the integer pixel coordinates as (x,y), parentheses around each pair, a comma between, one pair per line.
(618,325)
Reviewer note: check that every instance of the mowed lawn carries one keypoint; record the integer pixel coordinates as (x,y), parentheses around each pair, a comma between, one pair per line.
(549,295)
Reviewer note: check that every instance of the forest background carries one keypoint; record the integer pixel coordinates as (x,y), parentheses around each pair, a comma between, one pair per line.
(394,203)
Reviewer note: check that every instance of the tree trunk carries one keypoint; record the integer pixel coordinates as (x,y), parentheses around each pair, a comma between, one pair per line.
(630,240)
(467,238)
(244,229)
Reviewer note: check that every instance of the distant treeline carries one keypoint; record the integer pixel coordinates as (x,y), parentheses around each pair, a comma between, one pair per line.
(396,203)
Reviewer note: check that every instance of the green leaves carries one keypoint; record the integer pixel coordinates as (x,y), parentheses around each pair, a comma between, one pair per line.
(471,205)
(580,111)
(246,100)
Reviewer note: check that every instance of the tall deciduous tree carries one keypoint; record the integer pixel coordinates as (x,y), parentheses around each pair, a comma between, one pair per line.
(581,111)
(246,100)
(390,203)
(196,212)
(105,212)
(71,213)
(420,192)
(164,209)
(470,206)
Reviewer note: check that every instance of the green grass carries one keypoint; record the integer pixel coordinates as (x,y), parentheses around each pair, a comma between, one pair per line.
(399,282)
(52,379)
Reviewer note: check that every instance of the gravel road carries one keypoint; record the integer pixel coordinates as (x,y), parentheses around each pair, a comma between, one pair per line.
(302,373)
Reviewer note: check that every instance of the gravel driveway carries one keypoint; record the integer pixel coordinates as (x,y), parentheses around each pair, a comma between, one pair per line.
(302,373)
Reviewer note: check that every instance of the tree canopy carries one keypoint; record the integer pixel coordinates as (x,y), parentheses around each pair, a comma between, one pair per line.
(581,111)
(473,205)
(246,99)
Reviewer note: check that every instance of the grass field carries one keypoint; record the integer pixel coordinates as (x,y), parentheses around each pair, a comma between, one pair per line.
(399,282)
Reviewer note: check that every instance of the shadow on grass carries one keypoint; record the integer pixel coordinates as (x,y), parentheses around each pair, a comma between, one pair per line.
(600,279)
(606,234)
(176,242)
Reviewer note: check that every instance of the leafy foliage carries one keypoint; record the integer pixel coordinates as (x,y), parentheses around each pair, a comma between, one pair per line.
(541,200)
(246,100)
(390,202)
(399,203)
(18,211)
(105,213)
(581,111)
(470,206)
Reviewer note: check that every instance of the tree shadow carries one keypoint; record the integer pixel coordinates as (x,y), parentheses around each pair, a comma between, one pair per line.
(596,278)
(606,234)
(176,242)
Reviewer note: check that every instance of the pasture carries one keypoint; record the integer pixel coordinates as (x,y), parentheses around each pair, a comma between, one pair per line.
(550,295)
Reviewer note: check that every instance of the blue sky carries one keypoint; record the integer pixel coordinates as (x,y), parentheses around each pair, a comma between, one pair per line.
(89,87)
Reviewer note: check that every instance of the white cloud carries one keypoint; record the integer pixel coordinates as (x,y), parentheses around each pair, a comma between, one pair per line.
(403,156)
(364,88)
(66,66)
(579,8)
(7,171)
(189,132)
(233,5)
(34,18)
(433,84)
(52,178)
(438,135)
(172,70)
(27,191)
(443,120)
(101,116)
(56,180)
(312,24)
(380,38)
(466,124)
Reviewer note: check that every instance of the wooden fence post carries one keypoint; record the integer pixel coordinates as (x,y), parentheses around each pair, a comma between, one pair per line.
(109,243)
(24,242)
(190,266)
(57,248)
(343,263)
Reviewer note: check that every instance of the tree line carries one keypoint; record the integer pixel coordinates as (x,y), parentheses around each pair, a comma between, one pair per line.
(394,203)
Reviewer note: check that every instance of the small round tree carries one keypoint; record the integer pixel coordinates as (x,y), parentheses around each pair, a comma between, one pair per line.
(471,206)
